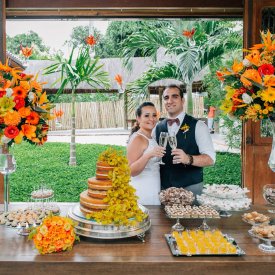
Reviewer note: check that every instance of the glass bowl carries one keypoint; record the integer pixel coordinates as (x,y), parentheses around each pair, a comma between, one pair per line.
(269,195)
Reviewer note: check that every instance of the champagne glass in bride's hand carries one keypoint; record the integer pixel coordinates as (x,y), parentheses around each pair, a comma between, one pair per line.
(163,137)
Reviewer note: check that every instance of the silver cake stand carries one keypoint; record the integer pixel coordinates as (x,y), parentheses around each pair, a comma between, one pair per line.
(91,229)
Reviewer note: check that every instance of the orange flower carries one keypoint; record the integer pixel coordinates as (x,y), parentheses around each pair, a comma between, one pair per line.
(118,79)
(12,118)
(19,91)
(188,33)
(250,74)
(91,40)
(269,80)
(33,118)
(58,113)
(25,85)
(237,67)
(11,131)
(254,57)
(26,51)
(29,131)
(24,111)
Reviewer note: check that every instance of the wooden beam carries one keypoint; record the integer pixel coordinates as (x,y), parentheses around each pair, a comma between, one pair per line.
(32,4)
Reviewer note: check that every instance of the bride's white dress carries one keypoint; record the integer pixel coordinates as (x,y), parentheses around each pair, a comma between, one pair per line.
(147,183)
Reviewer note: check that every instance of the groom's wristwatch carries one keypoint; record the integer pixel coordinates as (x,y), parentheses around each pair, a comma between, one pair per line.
(191,160)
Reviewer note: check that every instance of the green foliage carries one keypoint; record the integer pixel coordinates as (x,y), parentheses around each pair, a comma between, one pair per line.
(48,164)
(226,170)
(30,39)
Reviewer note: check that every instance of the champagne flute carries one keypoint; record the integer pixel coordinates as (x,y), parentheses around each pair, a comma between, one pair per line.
(163,137)
(172,139)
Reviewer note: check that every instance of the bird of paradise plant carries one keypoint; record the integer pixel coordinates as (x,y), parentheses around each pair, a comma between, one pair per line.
(24,108)
(250,84)
(84,69)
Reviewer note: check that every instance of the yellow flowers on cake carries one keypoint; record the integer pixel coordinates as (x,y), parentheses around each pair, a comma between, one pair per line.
(123,208)
(55,234)
(250,84)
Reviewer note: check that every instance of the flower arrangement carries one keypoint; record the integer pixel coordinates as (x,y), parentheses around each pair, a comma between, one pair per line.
(250,84)
(24,108)
(123,207)
(55,234)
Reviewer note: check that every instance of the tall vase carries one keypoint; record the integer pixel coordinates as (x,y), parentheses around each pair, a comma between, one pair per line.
(271,161)
(7,166)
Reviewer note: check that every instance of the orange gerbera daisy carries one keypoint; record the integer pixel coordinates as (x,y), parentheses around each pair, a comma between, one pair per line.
(91,40)
(33,118)
(11,131)
(19,91)
(29,130)
(24,112)
(12,118)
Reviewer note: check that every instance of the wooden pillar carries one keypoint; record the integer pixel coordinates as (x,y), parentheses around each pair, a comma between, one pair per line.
(2,59)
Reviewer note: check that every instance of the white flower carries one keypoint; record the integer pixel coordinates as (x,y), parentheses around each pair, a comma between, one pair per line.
(9,92)
(246,63)
(31,96)
(247,98)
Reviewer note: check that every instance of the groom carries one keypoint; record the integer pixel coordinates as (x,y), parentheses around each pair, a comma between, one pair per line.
(184,165)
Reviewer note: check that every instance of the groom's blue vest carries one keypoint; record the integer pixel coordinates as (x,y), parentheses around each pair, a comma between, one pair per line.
(180,175)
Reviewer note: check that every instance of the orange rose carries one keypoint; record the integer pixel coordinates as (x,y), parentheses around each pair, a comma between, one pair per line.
(33,118)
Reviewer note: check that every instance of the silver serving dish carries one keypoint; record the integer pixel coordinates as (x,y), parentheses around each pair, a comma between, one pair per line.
(90,228)
(176,252)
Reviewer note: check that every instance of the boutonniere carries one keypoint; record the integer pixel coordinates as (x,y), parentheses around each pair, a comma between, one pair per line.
(185,128)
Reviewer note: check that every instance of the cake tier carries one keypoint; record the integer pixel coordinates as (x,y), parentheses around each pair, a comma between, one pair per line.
(102,170)
(97,193)
(96,184)
(92,203)
(87,211)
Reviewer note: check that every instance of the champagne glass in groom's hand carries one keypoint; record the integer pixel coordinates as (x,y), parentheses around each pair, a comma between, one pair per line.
(163,138)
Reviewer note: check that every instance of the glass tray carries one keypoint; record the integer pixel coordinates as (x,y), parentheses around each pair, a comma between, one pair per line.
(189,218)
(176,252)
(255,223)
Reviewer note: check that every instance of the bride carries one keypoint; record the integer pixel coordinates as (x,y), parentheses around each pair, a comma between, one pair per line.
(144,154)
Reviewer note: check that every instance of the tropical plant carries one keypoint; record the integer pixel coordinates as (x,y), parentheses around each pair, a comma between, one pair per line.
(189,47)
(84,69)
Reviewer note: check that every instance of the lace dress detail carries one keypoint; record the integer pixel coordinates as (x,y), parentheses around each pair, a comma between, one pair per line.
(147,183)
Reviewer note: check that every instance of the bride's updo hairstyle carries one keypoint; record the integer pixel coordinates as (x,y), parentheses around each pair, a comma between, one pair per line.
(138,114)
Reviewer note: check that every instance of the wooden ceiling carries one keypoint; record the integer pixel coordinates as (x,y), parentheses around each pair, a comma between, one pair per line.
(123,8)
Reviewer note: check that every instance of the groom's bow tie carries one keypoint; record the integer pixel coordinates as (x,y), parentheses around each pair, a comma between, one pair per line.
(170,121)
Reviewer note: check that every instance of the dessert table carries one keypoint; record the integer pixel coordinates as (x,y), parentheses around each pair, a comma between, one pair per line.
(131,256)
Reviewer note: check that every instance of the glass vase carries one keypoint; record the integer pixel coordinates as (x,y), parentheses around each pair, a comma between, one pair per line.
(7,166)
(271,161)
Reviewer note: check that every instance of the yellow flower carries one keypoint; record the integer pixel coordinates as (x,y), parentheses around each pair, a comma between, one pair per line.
(43,230)
(269,80)
(237,66)
(185,128)
(226,106)
(6,104)
(257,107)
(268,94)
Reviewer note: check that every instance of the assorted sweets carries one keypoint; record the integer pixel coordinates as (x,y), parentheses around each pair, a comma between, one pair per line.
(23,217)
(200,242)
(176,196)
(189,211)
(215,195)
(269,193)
(43,193)
(255,218)
(264,231)
(110,199)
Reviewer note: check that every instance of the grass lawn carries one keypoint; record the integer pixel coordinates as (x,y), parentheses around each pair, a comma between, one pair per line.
(48,164)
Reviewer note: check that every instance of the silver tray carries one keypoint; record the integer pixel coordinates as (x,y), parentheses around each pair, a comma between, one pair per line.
(176,252)
(90,228)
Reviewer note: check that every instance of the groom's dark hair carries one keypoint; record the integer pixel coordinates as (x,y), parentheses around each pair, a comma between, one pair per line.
(173,86)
